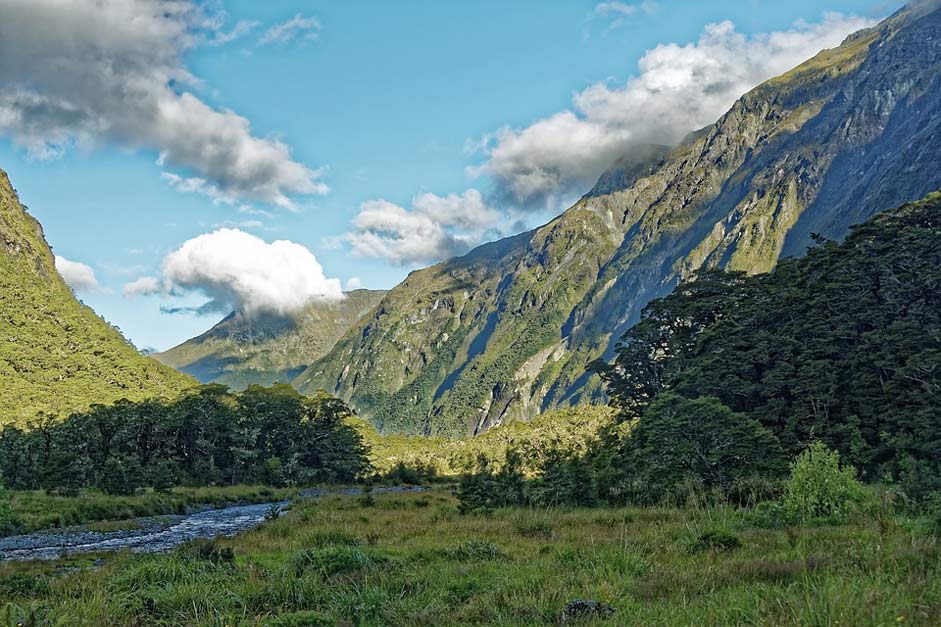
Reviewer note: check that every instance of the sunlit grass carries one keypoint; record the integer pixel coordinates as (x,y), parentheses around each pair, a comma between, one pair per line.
(410,559)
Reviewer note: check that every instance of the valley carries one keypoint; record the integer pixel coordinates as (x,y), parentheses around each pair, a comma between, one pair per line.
(708,392)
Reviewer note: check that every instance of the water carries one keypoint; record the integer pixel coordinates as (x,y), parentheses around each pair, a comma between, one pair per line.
(158,533)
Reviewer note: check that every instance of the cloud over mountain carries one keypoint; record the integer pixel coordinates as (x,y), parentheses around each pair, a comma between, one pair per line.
(239,271)
(678,88)
(89,73)
(434,228)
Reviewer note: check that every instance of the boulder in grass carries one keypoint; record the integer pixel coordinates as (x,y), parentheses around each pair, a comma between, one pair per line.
(581,609)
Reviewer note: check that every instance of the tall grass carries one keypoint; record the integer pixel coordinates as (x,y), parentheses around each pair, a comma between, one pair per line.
(398,562)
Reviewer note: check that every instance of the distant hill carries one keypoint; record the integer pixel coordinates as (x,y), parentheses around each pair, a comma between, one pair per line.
(509,330)
(56,354)
(240,351)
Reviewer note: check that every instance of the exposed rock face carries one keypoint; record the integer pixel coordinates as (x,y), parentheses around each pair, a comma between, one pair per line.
(56,355)
(265,349)
(510,329)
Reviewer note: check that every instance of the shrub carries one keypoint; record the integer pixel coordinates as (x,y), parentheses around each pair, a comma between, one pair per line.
(207,550)
(333,560)
(474,550)
(481,489)
(333,537)
(819,486)
(682,448)
(714,539)
(413,473)
(534,527)
(9,522)
(366,499)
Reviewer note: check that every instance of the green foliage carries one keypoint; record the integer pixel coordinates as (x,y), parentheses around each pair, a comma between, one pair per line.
(407,459)
(482,489)
(333,560)
(206,550)
(842,346)
(8,518)
(682,448)
(819,486)
(207,436)
(714,539)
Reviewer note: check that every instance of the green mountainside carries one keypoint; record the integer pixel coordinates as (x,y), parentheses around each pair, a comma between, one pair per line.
(510,329)
(241,351)
(56,354)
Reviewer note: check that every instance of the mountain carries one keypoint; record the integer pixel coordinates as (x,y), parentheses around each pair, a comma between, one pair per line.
(510,329)
(57,355)
(263,349)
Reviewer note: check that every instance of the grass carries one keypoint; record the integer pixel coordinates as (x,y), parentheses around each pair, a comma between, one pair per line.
(37,510)
(334,562)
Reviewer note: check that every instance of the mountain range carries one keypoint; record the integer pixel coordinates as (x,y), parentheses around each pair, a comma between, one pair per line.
(512,328)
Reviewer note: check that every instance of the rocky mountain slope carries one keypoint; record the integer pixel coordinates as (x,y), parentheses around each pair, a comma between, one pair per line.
(511,329)
(56,354)
(240,351)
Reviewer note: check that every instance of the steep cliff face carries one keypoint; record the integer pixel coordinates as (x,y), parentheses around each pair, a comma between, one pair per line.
(56,355)
(264,349)
(510,329)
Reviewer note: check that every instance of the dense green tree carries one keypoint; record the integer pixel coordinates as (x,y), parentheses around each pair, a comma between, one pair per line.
(207,436)
(683,447)
(842,346)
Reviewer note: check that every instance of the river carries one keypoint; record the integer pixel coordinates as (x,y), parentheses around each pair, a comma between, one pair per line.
(158,533)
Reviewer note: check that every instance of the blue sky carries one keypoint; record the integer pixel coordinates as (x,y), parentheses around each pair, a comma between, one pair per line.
(391,100)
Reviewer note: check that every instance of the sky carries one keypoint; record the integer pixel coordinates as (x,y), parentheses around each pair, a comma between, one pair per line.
(189,158)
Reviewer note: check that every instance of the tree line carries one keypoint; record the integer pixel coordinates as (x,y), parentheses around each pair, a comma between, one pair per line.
(207,436)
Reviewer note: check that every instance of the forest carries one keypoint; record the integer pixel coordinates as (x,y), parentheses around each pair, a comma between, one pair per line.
(207,436)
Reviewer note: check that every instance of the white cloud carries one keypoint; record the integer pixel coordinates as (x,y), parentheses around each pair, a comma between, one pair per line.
(353,283)
(79,276)
(619,12)
(298,27)
(144,286)
(434,228)
(679,88)
(239,271)
(88,73)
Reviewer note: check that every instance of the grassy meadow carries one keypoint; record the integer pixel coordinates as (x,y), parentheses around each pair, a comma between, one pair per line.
(412,559)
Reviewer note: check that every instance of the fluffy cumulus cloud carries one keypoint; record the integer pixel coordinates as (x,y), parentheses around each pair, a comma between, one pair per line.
(79,276)
(679,88)
(238,271)
(87,73)
(298,27)
(433,228)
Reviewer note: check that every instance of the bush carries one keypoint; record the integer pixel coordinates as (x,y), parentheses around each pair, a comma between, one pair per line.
(481,489)
(819,486)
(9,522)
(684,448)
(333,560)
(714,539)
(207,550)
